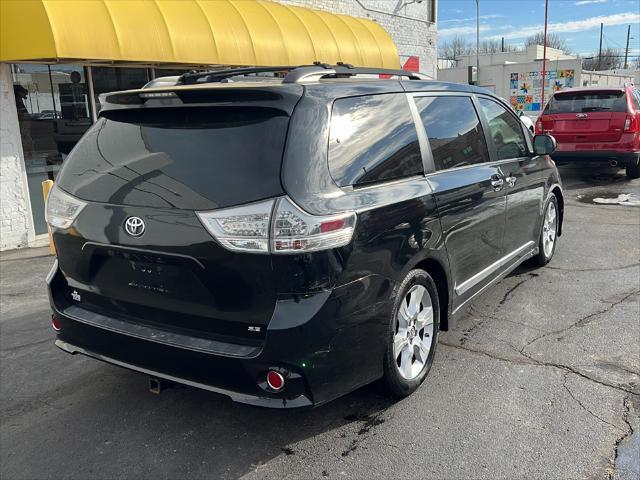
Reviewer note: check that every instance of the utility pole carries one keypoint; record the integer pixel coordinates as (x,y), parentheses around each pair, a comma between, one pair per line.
(544,52)
(478,38)
(600,49)
(626,50)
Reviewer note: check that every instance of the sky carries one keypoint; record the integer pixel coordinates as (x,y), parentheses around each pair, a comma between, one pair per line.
(577,21)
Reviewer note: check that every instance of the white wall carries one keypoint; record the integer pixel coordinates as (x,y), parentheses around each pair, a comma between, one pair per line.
(497,77)
(608,79)
(529,54)
(16,224)
(407,25)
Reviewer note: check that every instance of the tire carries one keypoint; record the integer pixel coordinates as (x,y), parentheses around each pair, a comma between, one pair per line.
(633,169)
(545,249)
(403,375)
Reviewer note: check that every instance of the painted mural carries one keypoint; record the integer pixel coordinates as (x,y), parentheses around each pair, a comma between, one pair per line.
(526,88)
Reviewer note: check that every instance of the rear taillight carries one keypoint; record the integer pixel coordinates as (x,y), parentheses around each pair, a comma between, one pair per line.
(62,209)
(632,123)
(244,228)
(539,127)
(294,230)
(277,226)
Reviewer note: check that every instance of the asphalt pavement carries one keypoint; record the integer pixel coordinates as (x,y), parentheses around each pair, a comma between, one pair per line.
(541,379)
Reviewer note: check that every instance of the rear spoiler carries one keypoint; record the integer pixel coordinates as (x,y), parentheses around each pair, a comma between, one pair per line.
(281,97)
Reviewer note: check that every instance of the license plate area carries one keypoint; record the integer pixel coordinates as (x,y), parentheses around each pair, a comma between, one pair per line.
(153,277)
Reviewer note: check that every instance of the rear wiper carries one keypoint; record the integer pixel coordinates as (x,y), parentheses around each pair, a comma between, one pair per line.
(594,109)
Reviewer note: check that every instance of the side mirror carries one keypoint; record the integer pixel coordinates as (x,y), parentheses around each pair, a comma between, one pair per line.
(544,144)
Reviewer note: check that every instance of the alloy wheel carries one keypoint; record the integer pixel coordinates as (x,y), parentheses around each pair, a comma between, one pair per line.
(549,229)
(414,332)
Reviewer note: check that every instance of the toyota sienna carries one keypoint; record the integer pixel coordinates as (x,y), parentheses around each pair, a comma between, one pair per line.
(285,239)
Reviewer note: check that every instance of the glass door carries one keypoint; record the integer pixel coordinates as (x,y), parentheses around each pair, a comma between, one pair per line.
(53,112)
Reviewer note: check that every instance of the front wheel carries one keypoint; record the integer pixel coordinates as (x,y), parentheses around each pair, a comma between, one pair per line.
(633,169)
(412,334)
(549,233)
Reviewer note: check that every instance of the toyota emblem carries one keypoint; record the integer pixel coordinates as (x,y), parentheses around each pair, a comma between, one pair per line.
(134,226)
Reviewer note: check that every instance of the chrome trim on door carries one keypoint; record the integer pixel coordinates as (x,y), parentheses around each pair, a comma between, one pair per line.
(497,278)
(478,277)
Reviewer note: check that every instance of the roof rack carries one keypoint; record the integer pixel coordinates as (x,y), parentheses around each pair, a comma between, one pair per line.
(297,74)
(220,75)
(316,72)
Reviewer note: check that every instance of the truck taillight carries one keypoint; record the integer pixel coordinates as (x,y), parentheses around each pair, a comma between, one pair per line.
(277,226)
(539,127)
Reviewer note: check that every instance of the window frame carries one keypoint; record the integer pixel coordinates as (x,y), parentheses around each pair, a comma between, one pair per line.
(430,167)
(525,132)
(413,112)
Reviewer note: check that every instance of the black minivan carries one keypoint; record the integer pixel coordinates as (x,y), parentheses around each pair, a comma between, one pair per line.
(286,239)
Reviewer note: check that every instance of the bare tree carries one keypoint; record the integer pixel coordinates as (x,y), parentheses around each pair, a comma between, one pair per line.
(495,46)
(553,41)
(458,46)
(610,59)
(454,48)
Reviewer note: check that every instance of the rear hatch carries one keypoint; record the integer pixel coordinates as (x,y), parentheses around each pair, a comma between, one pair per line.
(162,164)
(586,116)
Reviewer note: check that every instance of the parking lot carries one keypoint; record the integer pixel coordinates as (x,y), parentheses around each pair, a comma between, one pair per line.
(540,380)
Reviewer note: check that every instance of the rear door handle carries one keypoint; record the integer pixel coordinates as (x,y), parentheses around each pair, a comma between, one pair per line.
(497,183)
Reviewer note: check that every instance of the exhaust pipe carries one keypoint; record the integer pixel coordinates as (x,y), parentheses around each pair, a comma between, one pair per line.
(157,385)
(613,163)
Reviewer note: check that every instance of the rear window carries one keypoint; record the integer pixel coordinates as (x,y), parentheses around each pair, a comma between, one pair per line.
(373,139)
(184,157)
(581,102)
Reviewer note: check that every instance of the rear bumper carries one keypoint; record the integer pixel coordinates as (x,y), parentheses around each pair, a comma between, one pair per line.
(326,343)
(601,157)
(300,401)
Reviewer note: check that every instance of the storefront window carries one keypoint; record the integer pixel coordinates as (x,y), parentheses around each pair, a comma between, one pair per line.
(53,112)
(109,79)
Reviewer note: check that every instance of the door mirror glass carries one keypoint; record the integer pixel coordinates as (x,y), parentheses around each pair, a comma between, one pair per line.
(544,144)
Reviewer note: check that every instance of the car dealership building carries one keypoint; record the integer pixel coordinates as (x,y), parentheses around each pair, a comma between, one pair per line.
(58,56)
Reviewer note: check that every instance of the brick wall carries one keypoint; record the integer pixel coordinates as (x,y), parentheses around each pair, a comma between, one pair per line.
(16,224)
(407,25)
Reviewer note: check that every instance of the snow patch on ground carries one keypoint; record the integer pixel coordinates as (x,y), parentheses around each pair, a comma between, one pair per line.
(627,199)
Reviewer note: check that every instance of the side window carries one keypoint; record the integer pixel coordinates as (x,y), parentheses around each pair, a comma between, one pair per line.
(454,131)
(505,130)
(373,139)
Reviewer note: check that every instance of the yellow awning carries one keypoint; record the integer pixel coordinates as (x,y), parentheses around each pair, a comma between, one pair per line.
(193,32)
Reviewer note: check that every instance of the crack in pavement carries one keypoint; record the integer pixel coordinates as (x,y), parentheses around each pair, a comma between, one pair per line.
(536,362)
(580,322)
(620,439)
(530,275)
(565,386)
